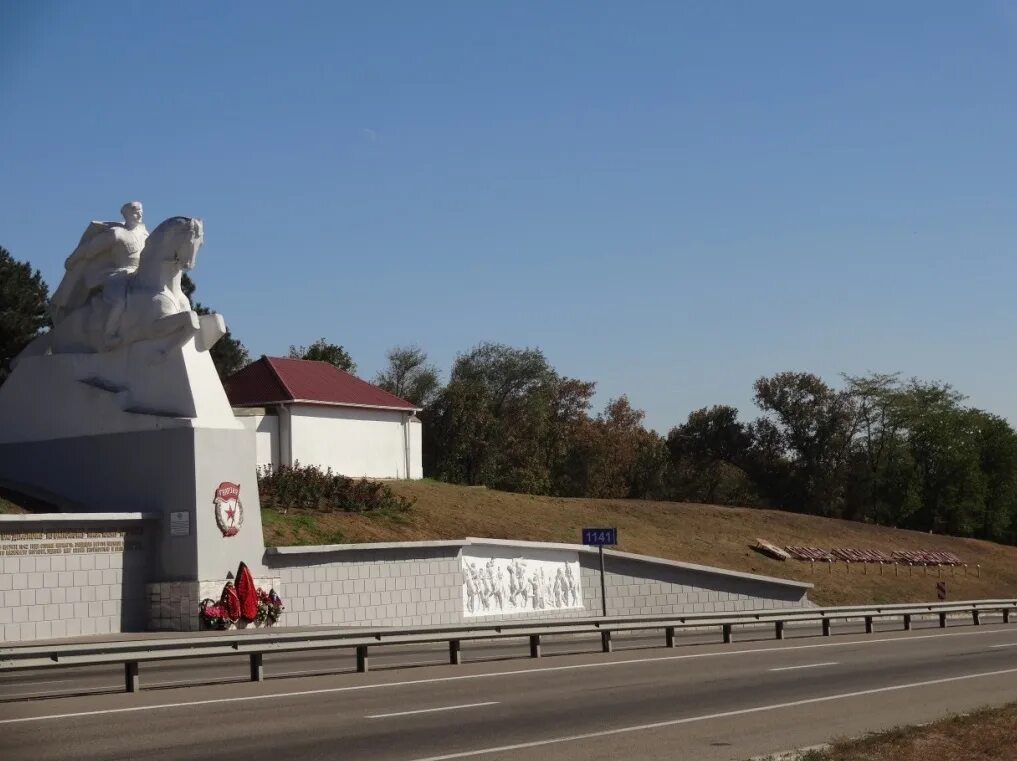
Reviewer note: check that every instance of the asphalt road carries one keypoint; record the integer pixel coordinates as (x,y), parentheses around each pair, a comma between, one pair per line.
(698,702)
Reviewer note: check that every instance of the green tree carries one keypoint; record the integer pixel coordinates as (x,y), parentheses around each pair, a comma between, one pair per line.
(492,424)
(813,426)
(945,474)
(24,298)
(228,353)
(323,351)
(569,404)
(614,456)
(708,453)
(877,447)
(409,376)
(997,447)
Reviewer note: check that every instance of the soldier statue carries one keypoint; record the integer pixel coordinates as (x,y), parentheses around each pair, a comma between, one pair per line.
(106,254)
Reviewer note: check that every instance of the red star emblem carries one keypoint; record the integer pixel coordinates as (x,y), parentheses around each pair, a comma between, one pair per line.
(230,513)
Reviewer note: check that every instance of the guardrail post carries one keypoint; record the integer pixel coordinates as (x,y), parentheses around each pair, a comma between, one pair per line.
(669,636)
(942,620)
(605,641)
(778,629)
(826,627)
(907,622)
(1006,615)
(868,624)
(534,645)
(361,659)
(257,668)
(976,618)
(132,682)
(455,654)
(727,634)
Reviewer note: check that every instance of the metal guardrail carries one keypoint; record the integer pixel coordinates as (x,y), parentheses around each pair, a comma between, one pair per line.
(255,644)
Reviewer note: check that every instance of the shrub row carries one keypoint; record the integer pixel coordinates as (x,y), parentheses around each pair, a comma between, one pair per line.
(308,487)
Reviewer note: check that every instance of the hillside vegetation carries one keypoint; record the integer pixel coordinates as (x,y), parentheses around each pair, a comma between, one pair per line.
(696,533)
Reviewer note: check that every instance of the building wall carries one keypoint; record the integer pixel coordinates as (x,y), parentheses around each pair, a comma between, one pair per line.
(422,583)
(266,436)
(66,575)
(416,448)
(356,442)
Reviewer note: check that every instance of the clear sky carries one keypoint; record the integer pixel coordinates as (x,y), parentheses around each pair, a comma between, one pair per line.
(669,198)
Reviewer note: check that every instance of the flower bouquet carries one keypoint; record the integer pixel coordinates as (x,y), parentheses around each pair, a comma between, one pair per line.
(270,607)
(213,614)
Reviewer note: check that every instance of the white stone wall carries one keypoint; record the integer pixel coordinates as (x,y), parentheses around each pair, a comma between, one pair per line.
(401,587)
(64,578)
(414,583)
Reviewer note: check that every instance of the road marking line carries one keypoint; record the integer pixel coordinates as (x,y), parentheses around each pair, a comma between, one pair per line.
(808,666)
(708,717)
(493,674)
(1008,644)
(431,710)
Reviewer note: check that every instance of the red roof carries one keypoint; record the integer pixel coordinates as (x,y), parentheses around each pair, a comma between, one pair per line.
(278,380)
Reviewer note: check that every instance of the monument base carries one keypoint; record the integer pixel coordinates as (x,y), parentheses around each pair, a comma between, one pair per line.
(176,473)
(173,605)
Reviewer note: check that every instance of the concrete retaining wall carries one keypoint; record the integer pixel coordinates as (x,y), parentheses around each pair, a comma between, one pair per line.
(65,575)
(419,583)
(73,574)
(413,584)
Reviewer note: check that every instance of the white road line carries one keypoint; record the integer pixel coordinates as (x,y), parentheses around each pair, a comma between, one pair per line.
(708,717)
(807,666)
(496,674)
(431,710)
(1008,644)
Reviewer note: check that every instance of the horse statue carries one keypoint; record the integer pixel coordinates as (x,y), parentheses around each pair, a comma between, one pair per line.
(145,305)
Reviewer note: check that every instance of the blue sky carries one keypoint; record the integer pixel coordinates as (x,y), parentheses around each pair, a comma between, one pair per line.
(670,199)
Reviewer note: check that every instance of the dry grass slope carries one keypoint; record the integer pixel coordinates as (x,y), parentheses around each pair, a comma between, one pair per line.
(986,735)
(711,535)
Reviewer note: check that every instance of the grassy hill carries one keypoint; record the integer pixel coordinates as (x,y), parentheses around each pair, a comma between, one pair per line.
(707,534)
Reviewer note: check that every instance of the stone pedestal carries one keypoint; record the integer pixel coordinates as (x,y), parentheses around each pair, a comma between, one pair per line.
(72,433)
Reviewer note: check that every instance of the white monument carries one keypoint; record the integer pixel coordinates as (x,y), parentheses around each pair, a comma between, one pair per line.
(119,408)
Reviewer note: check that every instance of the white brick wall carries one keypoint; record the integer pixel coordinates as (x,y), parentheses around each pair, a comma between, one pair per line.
(64,579)
(408,586)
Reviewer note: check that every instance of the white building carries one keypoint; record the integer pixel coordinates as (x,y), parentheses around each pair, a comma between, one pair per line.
(313,413)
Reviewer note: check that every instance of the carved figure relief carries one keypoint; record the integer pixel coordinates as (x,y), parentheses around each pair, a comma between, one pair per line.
(494,585)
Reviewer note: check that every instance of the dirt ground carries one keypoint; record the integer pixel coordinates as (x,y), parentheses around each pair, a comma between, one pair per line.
(987,735)
(706,534)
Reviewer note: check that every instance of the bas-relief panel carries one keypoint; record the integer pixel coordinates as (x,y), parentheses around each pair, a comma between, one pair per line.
(501,585)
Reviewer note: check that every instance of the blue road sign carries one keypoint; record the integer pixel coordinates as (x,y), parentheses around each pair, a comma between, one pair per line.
(600,536)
